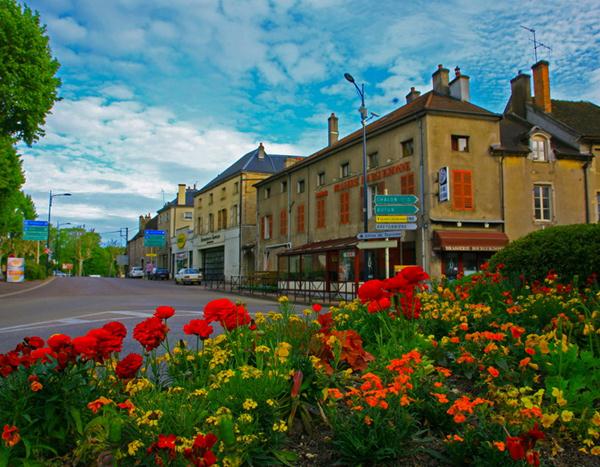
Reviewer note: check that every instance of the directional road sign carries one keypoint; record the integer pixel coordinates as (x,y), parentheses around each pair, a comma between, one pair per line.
(404,209)
(35,230)
(396,226)
(396,199)
(377,245)
(154,238)
(392,219)
(380,235)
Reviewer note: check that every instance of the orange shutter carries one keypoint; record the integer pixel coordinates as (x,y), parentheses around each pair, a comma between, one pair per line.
(320,213)
(300,220)
(270,217)
(345,207)
(462,190)
(283,223)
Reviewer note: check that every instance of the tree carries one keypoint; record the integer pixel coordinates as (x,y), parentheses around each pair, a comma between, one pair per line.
(28,85)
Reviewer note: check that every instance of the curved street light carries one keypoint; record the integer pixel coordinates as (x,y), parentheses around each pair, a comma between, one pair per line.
(363,120)
(50,198)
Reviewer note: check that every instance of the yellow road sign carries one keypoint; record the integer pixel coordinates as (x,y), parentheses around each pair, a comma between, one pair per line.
(392,219)
(151,255)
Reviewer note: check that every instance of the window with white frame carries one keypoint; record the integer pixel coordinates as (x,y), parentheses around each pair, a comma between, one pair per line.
(539,148)
(267,192)
(234,214)
(301,186)
(542,202)
(321,179)
(345,170)
(188,215)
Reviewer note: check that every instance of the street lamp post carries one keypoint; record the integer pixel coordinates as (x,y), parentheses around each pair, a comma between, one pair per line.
(50,198)
(58,225)
(363,119)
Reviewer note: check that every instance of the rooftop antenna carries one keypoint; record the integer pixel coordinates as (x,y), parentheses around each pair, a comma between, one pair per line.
(536,44)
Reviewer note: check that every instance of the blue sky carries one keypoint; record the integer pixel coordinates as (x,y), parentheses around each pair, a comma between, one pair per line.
(161,92)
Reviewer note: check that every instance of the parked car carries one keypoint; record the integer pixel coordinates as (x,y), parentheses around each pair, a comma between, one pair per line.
(159,273)
(58,273)
(136,272)
(188,276)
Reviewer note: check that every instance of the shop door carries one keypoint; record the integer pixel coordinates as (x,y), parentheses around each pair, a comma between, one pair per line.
(213,264)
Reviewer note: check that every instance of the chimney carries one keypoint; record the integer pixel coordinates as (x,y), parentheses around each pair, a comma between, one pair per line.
(520,94)
(440,80)
(181,194)
(541,86)
(142,223)
(412,95)
(333,133)
(261,151)
(459,86)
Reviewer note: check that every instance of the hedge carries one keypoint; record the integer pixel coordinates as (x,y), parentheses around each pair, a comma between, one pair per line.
(569,250)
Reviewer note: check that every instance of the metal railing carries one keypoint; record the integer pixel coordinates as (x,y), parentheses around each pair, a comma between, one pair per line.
(297,290)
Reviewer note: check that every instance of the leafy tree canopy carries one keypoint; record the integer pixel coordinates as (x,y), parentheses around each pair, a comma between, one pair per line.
(28,85)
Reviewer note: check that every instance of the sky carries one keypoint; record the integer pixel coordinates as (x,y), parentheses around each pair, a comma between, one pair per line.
(160,92)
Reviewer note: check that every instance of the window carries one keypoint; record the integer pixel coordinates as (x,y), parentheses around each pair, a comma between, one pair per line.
(267,227)
(373,160)
(223,192)
(234,214)
(283,185)
(460,143)
(321,179)
(542,202)
(210,199)
(199,226)
(539,148)
(301,186)
(300,218)
(188,215)
(408,148)
(267,192)
(222,219)
(345,207)
(236,187)
(345,170)
(211,222)
(462,198)
(321,212)
(283,223)
(407,184)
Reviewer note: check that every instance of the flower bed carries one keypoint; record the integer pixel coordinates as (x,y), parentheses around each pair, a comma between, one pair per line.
(480,372)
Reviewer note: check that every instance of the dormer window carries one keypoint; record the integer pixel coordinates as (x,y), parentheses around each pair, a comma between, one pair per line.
(539,148)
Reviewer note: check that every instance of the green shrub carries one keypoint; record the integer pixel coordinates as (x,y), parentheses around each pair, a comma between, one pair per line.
(34,271)
(569,250)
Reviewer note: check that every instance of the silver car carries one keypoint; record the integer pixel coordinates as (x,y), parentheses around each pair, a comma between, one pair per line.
(188,276)
(136,272)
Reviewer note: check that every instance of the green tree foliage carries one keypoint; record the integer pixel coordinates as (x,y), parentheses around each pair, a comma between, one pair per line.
(569,250)
(28,85)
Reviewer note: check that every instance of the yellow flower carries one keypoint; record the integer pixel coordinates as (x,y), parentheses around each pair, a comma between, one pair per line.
(249,404)
(270,402)
(175,390)
(245,418)
(281,426)
(134,446)
(150,418)
(199,393)
(283,351)
(283,299)
(595,451)
(549,419)
(566,415)
(262,349)
(596,419)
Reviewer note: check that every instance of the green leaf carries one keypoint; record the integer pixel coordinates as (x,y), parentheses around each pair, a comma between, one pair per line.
(76,415)
(286,457)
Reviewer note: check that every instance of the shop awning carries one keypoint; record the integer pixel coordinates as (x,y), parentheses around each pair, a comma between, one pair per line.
(317,247)
(468,240)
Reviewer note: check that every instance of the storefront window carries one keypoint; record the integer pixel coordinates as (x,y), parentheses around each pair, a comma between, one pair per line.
(451,265)
(469,260)
(294,267)
(346,266)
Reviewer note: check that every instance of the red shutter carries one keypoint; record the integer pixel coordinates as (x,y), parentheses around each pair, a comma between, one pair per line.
(454,143)
(283,223)
(344,207)
(462,190)
(300,220)
(270,226)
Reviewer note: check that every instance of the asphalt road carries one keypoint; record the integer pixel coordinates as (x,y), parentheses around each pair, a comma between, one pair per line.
(73,305)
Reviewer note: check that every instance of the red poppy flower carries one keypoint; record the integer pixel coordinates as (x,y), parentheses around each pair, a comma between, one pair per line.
(10,435)
(515,447)
(150,333)
(116,328)
(34,342)
(106,343)
(214,310)
(59,341)
(164,312)
(85,346)
(326,322)
(239,316)
(129,366)
(372,290)
(414,274)
(198,327)
(44,354)
(316,307)
(200,453)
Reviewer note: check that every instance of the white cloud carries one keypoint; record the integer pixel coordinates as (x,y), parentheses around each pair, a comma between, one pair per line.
(66,30)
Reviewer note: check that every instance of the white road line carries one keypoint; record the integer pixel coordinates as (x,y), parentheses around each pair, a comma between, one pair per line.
(46,282)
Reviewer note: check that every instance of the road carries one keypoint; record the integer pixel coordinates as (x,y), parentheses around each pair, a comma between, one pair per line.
(73,305)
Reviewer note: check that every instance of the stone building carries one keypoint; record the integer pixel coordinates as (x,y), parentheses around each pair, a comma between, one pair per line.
(136,252)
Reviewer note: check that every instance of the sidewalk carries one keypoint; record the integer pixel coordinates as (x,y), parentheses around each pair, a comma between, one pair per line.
(8,288)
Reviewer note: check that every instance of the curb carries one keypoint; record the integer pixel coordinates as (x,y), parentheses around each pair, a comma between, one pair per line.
(46,282)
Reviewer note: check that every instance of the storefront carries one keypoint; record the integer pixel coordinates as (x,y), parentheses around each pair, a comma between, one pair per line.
(181,248)
(213,263)
(463,251)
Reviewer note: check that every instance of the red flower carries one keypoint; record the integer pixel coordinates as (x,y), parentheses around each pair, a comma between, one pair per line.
(127,405)
(10,435)
(59,341)
(106,343)
(42,354)
(317,308)
(379,305)
(166,442)
(150,333)
(493,371)
(164,312)
(129,366)
(372,290)
(116,328)
(85,346)
(297,383)
(34,342)
(198,327)
(200,453)
(326,322)
(235,318)
(214,310)
(414,274)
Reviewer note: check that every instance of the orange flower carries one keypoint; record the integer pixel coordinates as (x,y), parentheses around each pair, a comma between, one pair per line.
(530,351)
(96,405)
(454,340)
(490,348)
(524,362)
(368,420)
(438,384)
(36,386)
(405,400)
(465,357)
(443,371)
(459,418)
(10,435)
(463,326)
(493,371)
(335,393)
(499,445)
(442,398)
(127,405)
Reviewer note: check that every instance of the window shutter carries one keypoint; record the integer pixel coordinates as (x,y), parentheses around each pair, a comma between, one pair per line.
(454,143)
(283,223)
(270,226)
(462,186)
(262,227)
(467,190)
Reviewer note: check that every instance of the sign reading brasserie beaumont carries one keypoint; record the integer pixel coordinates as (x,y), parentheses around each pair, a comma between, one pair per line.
(373,176)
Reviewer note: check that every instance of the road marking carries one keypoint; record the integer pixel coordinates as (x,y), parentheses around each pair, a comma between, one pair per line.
(30,289)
